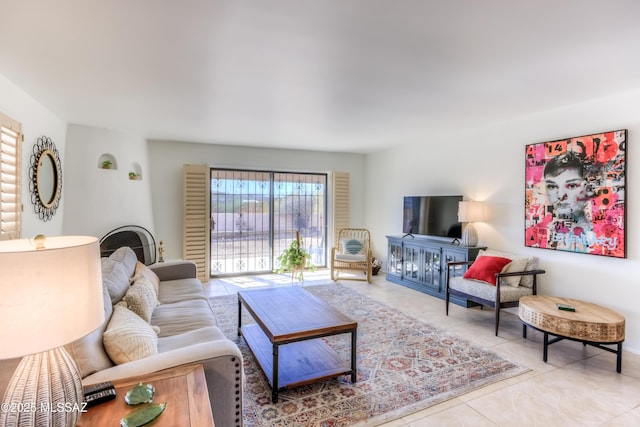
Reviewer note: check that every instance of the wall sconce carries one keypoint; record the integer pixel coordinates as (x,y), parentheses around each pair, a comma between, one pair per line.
(470,212)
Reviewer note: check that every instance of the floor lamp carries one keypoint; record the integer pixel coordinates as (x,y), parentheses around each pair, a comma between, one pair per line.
(470,212)
(50,295)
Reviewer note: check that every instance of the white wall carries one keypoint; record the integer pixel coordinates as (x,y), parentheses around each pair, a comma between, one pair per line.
(488,164)
(100,200)
(36,121)
(167,157)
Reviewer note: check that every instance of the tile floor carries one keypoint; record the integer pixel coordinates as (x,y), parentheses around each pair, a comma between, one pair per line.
(578,386)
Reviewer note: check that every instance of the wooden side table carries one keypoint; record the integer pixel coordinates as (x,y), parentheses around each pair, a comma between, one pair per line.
(590,324)
(184,388)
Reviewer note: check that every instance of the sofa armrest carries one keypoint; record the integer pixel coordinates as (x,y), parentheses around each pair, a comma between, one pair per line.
(534,273)
(174,270)
(195,353)
(223,370)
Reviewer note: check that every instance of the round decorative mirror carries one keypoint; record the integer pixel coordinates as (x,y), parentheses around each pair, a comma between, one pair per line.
(46,178)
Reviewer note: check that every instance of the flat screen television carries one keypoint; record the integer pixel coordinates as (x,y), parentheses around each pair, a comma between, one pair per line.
(432,216)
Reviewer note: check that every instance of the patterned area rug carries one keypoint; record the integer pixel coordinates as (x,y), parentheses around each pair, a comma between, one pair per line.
(404,365)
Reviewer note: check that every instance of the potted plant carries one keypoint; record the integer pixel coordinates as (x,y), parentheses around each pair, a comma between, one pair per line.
(295,259)
(106,164)
(133,176)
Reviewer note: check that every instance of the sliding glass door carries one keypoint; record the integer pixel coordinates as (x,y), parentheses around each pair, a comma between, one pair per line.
(255,215)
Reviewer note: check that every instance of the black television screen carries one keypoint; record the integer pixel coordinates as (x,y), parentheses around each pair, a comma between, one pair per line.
(432,216)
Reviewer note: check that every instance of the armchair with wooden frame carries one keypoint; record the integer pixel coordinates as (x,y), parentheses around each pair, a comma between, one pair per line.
(352,252)
(502,288)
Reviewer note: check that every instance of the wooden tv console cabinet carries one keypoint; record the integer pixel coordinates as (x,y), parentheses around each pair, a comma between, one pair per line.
(420,263)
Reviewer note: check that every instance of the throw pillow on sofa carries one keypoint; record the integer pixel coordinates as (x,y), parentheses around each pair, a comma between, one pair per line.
(127,257)
(141,298)
(115,279)
(117,270)
(144,271)
(128,337)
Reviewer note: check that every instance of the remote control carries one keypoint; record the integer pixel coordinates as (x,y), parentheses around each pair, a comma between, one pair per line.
(566,307)
(99,397)
(94,388)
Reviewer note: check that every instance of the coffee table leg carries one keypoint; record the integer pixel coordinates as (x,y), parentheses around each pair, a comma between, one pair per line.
(619,361)
(274,386)
(354,339)
(546,346)
(239,316)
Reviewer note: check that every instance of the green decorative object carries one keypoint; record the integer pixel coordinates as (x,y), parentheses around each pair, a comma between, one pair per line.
(142,393)
(143,415)
(295,258)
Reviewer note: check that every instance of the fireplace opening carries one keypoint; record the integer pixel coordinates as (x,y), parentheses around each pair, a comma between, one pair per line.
(134,236)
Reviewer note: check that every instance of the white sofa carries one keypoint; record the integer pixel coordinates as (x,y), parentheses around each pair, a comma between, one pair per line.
(183,331)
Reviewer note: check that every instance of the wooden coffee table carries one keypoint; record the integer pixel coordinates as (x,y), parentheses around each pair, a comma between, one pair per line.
(590,324)
(285,339)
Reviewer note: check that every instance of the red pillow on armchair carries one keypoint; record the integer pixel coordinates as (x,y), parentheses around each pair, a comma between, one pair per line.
(485,268)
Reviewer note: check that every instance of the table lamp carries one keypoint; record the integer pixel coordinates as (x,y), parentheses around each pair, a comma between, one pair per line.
(50,295)
(470,212)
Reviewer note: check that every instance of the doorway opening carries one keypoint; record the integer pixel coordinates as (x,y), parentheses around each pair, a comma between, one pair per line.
(255,215)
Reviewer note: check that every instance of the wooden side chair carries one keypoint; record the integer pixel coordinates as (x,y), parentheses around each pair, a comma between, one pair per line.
(352,253)
(497,281)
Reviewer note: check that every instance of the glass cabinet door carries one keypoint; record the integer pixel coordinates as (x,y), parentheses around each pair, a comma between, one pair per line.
(453,256)
(394,266)
(432,268)
(421,264)
(411,263)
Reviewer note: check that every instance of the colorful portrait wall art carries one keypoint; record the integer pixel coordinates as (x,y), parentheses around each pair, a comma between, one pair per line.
(575,194)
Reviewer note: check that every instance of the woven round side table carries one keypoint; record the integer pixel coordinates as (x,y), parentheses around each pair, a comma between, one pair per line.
(591,324)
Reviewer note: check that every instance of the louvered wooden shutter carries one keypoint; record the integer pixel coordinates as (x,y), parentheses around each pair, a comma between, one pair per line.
(196,218)
(340,203)
(10,192)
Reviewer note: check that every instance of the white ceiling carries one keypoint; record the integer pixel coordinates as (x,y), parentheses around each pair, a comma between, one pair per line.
(335,75)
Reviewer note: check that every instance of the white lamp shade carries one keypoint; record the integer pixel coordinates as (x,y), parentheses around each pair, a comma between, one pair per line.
(48,297)
(470,211)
